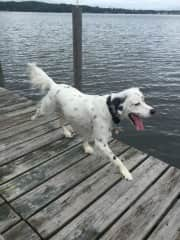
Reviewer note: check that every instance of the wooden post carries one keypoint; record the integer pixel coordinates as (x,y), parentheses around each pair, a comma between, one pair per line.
(1,76)
(77,45)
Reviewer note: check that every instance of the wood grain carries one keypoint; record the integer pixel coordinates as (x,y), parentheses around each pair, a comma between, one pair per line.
(169,228)
(144,215)
(21,231)
(7,217)
(69,205)
(35,158)
(95,219)
(62,182)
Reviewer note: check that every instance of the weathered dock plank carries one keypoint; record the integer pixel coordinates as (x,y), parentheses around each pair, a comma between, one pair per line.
(10,119)
(4,91)
(26,147)
(7,217)
(35,158)
(169,228)
(36,176)
(82,168)
(21,231)
(15,107)
(22,127)
(50,189)
(58,213)
(1,200)
(29,134)
(7,100)
(144,215)
(95,219)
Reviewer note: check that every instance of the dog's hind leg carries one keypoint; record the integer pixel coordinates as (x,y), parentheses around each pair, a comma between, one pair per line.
(106,151)
(67,130)
(39,112)
(46,107)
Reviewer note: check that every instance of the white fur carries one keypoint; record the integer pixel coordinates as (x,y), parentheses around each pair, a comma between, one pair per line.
(88,114)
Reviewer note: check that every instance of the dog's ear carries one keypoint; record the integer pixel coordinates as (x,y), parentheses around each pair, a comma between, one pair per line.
(115,105)
(117,102)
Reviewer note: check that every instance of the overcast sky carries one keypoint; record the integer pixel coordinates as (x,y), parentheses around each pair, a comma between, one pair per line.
(132,4)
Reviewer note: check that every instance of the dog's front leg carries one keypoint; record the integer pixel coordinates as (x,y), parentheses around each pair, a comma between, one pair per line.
(106,151)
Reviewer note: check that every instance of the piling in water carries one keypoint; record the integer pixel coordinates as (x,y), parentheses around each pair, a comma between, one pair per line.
(1,77)
(77,45)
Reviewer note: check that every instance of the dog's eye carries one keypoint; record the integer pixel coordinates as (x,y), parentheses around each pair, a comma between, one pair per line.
(120,108)
(137,104)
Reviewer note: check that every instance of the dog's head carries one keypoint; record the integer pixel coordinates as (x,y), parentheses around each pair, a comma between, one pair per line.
(129,104)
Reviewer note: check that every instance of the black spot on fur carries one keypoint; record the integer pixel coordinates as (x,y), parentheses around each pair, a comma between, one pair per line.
(58,91)
(120,108)
(114,157)
(113,106)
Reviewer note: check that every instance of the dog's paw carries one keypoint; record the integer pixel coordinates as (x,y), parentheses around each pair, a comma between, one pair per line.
(67,133)
(126,174)
(88,149)
(70,129)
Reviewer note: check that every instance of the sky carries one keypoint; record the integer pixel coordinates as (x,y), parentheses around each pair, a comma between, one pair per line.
(130,4)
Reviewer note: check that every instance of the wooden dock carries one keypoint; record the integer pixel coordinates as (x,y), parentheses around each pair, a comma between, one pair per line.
(49,189)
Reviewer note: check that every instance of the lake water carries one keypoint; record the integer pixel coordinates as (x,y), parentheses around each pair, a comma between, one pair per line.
(119,51)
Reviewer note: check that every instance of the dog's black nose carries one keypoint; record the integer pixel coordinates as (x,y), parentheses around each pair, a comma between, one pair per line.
(152,111)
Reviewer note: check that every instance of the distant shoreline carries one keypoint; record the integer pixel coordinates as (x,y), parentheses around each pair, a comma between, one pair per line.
(32,6)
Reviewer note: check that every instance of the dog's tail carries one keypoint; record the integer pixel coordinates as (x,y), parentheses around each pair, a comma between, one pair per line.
(39,78)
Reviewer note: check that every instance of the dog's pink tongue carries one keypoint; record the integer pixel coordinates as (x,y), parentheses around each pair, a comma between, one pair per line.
(138,123)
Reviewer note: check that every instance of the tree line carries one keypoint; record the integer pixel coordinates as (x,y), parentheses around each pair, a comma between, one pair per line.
(33,6)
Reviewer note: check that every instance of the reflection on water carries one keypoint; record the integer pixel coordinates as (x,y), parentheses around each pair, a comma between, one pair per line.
(119,51)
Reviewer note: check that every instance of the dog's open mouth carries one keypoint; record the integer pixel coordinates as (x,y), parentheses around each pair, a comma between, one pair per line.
(137,122)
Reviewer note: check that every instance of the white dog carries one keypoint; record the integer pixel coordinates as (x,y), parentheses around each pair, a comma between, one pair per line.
(92,116)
